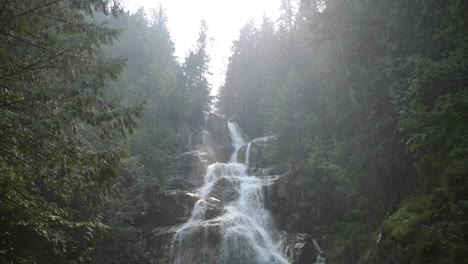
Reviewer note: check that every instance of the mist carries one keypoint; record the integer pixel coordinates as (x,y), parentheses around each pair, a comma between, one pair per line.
(233,132)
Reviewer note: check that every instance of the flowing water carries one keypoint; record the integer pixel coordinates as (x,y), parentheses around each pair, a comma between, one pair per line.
(244,233)
(247,155)
(206,135)
(320,258)
(237,137)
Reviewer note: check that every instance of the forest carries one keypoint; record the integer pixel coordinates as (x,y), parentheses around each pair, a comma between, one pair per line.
(367,102)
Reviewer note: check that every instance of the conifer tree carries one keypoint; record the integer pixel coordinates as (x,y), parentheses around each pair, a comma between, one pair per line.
(53,116)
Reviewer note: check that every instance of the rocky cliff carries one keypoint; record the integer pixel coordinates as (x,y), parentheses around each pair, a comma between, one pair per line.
(171,208)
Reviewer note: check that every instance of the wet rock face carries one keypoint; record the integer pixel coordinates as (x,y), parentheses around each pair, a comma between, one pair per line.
(279,192)
(225,189)
(190,170)
(278,198)
(220,140)
(201,246)
(206,238)
(214,208)
(217,125)
(170,207)
(216,142)
(261,152)
(189,136)
(161,240)
(298,248)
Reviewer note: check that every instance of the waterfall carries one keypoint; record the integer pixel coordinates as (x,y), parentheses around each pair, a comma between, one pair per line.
(247,154)
(244,233)
(237,137)
(206,135)
(206,115)
(320,258)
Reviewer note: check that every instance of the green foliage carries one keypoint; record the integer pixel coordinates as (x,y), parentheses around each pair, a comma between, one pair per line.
(251,73)
(123,242)
(56,168)
(416,235)
(369,101)
(66,104)
(345,236)
(195,71)
(414,211)
(174,95)
(155,150)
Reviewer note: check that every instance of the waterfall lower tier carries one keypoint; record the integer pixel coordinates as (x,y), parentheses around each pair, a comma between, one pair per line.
(320,258)
(234,228)
(243,232)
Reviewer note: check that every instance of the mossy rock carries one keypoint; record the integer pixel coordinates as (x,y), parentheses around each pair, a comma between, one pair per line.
(346,239)
(270,154)
(414,210)
(417,233)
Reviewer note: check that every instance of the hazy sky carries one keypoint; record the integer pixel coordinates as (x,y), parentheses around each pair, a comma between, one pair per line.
(224,19)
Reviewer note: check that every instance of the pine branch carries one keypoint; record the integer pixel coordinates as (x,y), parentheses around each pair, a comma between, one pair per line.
(34,9)
(25,41)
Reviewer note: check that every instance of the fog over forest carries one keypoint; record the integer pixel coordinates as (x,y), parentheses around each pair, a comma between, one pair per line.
(233,132)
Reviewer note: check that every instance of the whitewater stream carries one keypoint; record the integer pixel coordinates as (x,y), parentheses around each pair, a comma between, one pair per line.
(248,232)
(244,231)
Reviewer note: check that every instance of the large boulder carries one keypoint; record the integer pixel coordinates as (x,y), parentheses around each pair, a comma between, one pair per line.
(189,136)
(208,208)
(214,208)
(278,198)
(211,135)
(190,169)
(217,139)
(298,248)
(218,127)
(279,169)
(198,244)
(225,189)
(161,240)
(170,207)
(261,153)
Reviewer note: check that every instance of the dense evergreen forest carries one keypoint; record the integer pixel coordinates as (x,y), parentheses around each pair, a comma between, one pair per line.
(368,100)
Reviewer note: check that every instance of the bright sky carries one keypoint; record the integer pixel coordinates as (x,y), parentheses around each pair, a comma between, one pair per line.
(224,19)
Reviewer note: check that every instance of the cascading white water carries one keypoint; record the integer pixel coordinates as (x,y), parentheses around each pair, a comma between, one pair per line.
(320,258)
(206,115)
(206,135)
(247,233)
(237,137)
(247,155)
